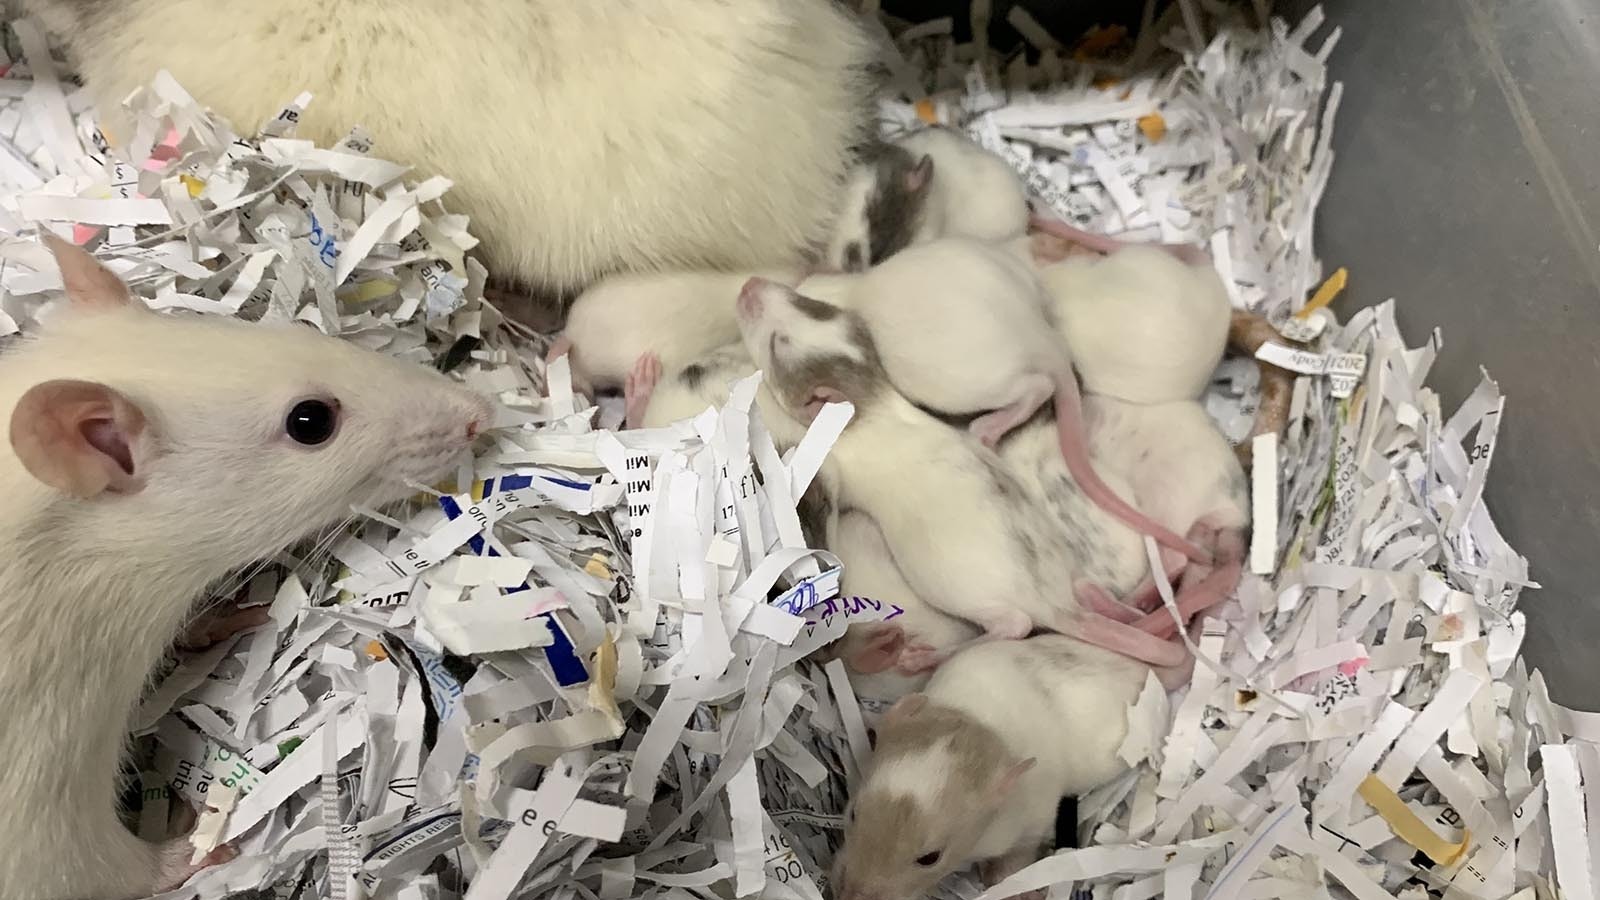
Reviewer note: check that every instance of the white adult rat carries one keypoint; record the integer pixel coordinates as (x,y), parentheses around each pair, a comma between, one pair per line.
(148,456)
(965,535)
(972,769)
(936,182)
(582,138)
(964,327)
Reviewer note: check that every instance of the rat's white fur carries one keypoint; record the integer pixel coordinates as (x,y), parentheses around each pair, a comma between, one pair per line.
(1178,464)
(93,592)
(1142,326)
(583,136)
(974,193)
(960,323)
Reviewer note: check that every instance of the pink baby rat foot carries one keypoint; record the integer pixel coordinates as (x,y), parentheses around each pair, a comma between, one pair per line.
(882,651)
(1096,599)
(916,659)
(177,866)
(1194,598)
(1031,393)
(1146,596)
(560,347)
(218,624)
(638,386)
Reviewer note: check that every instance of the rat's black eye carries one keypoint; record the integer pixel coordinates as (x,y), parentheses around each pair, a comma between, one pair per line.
(928,859)
(312,422)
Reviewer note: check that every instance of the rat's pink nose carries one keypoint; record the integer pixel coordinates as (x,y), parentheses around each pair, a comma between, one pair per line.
(750,297)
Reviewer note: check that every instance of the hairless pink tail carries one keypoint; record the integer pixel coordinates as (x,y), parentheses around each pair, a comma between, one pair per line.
(1104,243)
(1069,426)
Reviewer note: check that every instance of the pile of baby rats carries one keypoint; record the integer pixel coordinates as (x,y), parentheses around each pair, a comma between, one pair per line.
(1027,470)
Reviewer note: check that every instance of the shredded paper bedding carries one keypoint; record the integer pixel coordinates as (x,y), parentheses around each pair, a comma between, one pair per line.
(562,675)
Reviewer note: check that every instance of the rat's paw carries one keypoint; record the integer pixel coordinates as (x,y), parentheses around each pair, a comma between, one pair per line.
(916,659)
(1006,624)
(638,387)
(881,651)
(220,623)
(177,866)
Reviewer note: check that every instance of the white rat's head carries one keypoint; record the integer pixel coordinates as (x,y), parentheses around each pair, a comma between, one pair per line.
(937,779)
(882,210)
(205,443)
(813,353)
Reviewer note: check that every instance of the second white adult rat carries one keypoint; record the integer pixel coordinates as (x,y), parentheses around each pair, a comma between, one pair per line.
(972,769)
(149,456)
(583,138)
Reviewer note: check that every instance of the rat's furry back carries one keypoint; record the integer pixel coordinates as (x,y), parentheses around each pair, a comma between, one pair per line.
(583,137)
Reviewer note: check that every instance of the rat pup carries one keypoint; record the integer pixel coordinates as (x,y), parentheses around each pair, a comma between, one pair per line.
(964,533)
(674,316)
(972,770)
(148,456)
(936,182)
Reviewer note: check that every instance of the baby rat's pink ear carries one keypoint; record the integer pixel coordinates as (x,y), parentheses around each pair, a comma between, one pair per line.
(821,396)
(1010,777)
(81,438)
(89,284)
(917,179)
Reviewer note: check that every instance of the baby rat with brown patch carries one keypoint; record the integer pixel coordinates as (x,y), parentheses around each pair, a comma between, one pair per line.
(149,456)
(972,769)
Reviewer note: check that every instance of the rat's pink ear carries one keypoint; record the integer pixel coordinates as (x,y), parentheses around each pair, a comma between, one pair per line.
(905,708)
(89,284)
(81,438)
(1010,777)
(920,175)
(821,396)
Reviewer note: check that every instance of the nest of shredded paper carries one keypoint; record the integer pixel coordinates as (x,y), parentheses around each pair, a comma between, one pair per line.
(1359,719)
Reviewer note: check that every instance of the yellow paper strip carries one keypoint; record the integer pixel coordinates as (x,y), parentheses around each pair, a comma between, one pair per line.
(1407,827)
(1325,294)
(1153,126)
